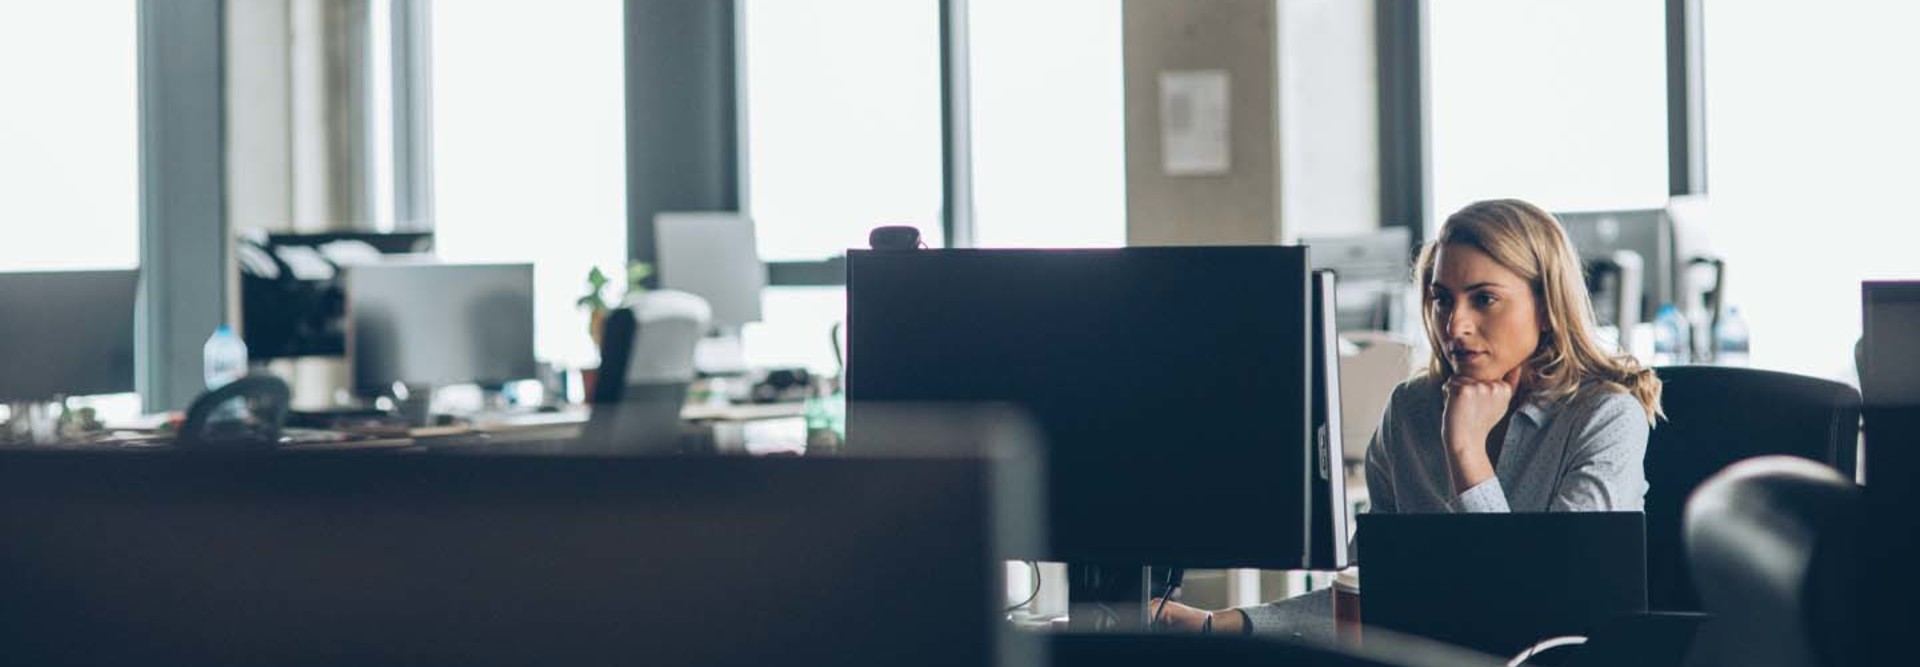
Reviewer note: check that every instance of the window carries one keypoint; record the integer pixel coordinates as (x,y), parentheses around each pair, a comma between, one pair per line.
(69,143)
(529,149)
(1811,133)
(843,122)
(843,129)
(1049,144)
(1560,103)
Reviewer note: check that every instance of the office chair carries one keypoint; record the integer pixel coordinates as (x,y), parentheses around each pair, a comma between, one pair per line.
(254,423)
(646,363)
(1717,416)
(1769,540)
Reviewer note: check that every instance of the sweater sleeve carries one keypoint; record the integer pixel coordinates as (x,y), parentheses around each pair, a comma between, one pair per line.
(1605,468)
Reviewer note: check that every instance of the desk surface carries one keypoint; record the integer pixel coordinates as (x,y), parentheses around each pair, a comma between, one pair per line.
(741,425)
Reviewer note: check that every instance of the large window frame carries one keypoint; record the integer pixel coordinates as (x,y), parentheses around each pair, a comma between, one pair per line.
(1400,44)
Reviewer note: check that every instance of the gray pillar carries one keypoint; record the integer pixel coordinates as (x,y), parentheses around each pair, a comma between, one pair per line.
(1241,205)
(183,231)
(683,148)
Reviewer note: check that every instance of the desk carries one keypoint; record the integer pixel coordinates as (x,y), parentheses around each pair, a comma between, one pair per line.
(750,428)
(755,428)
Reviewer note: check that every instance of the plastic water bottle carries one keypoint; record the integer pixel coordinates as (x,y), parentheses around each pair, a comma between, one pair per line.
(224,358)
(1670,337)
(1732,337)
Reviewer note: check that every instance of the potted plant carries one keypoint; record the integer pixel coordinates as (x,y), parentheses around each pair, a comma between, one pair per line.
(595,303)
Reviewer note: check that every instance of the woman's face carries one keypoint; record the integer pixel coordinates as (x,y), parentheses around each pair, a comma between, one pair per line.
(1486,314)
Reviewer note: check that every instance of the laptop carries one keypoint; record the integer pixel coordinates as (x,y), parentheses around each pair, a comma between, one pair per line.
(1498,583)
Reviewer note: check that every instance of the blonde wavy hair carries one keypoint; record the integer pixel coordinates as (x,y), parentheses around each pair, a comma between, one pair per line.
(1529,241)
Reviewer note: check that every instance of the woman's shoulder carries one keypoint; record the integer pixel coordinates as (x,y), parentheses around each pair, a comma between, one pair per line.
(1418,394)
(1601,396)
(1604,405)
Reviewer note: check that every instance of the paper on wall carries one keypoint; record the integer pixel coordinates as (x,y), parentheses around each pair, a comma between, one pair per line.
(1194,122)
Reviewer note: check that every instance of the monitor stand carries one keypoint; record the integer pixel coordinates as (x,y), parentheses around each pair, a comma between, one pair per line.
(1107,598)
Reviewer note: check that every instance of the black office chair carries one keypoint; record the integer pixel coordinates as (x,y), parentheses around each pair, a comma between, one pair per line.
(1717,416)
(261,401)
(646,364)
(1770,544)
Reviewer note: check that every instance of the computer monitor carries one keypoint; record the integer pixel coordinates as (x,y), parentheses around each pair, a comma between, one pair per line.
(1890,343)
(1375,274)
(712,255)
(428,324)
(1329,518)
(1596,235)
(291,301)
(66,333)
(166,559)
(1152,374)
(1890,462)
(1890,384)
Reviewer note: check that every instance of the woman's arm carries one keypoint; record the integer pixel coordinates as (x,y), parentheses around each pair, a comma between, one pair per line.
(1473,412)
(1605,464)
(1182,618)
(1380,497)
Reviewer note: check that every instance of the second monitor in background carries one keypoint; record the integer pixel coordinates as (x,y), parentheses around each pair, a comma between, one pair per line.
(713,255)
(1375,274)
(66,333)
(425,324)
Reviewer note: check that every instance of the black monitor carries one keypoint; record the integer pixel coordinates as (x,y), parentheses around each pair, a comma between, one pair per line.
(179,559)
(1889,360)
(1596,235)
(1890,342)
(1889,364)
(1171,386)
(428,324)
(66,333)
(291,301)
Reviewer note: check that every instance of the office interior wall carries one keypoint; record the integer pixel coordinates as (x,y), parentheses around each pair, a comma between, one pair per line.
(1242,205)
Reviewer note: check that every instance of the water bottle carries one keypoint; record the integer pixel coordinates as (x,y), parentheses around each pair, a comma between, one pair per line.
(224,358)
(1731,335)
(1670,337)
(825,414)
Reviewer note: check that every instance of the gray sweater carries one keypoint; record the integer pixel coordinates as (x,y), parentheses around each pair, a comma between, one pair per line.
(1581,454)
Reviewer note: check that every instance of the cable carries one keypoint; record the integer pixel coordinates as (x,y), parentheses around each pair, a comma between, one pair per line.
(1165,595)
(1034,569)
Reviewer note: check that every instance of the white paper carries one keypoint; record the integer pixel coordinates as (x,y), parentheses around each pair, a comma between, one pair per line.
(1193,122)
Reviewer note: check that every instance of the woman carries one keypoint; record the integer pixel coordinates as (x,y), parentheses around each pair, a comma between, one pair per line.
(1520,409)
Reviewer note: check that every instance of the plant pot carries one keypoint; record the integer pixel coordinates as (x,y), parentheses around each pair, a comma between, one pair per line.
(588,376)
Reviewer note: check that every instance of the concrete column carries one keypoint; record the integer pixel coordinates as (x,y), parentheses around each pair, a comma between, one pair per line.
(1240,206)
(1304,121)
(331,100)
